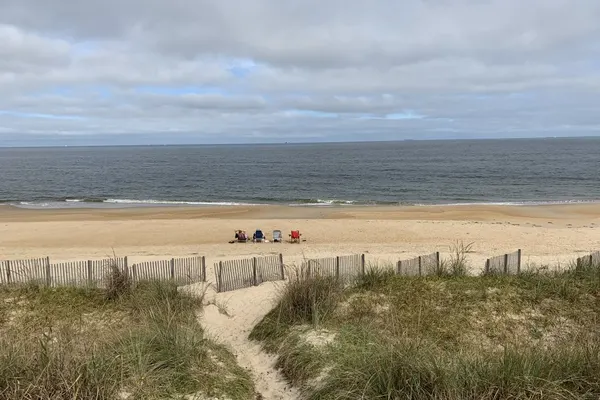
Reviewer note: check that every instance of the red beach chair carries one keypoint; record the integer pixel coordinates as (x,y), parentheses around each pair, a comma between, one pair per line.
(295,237)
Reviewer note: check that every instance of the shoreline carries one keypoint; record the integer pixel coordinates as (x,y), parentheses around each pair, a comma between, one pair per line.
(77,204)
(457,212)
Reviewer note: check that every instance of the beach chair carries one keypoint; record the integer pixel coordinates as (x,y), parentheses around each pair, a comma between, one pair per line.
(295,237)
(242,237)
(259,236)
(277,237)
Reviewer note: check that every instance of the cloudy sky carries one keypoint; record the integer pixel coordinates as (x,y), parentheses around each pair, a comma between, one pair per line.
(223,71)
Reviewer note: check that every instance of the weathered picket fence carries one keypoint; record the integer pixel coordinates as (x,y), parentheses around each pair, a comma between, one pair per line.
(182,271)
(341,267)
(419,266)
(91,273)
(94,273)
(239,274)
(505,264)
(590,260)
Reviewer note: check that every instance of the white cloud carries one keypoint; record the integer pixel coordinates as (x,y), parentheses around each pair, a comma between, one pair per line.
(299,69)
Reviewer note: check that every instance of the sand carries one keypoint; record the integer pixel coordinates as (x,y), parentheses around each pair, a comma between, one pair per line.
(548,235)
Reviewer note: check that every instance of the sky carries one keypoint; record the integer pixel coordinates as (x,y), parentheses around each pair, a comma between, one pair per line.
(223,71)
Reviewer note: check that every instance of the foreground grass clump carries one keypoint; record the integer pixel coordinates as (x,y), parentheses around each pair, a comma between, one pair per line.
(140,343)
(533,336)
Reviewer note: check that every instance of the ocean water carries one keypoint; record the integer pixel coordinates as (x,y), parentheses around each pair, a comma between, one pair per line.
(410,172)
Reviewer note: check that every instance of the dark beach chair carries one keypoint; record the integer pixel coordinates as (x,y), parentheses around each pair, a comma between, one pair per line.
(259,236)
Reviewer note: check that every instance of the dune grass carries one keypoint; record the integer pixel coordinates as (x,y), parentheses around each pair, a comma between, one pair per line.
(452,336)
(141,342)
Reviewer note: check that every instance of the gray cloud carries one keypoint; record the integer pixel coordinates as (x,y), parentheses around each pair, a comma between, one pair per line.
(298,70)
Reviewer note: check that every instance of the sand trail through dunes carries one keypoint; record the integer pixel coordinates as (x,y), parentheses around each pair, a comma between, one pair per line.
(230,317)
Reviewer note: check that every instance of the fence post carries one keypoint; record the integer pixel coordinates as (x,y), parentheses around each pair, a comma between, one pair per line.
(8,278)
(519,261)
(254,275)
(337,267)
(90,273)
(362,263)
(420,271)
(203,269)
(282,267)
(125,267)
(172,267)
(487,266)
(506,264)
(399,268)
(134,277)
(219,279)
(437,259)
(591,260)
(309,272)
(48,276)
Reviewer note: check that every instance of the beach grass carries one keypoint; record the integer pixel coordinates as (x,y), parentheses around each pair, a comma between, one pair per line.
(447,336)
(141,342)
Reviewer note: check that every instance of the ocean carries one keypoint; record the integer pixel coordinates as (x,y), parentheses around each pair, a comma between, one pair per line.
(519,171)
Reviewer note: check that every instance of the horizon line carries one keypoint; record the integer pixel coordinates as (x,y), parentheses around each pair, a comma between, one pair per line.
(297,142)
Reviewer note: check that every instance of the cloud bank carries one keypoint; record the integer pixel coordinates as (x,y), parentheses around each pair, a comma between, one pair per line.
(199,71)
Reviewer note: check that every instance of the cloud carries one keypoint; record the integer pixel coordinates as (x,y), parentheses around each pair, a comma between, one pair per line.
(270,70)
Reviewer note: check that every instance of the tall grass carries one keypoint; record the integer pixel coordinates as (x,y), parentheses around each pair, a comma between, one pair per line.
(375,276)
(458,264)
(118,282)
(305,299)
(388,369)
(143,342)
(446,336)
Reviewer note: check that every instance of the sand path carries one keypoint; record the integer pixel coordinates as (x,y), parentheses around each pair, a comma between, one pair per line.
(244,309)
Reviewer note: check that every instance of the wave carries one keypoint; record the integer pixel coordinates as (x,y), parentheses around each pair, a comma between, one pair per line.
(322,202)
(174,202)
(510,203)
(116,203)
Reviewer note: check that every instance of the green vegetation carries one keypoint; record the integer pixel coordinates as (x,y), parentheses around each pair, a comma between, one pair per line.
(141,342)
(449,336)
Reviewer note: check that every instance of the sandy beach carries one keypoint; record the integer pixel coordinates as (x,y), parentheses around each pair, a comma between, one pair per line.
(549,234)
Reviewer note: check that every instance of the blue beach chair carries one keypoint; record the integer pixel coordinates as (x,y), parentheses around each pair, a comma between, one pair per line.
(259,236)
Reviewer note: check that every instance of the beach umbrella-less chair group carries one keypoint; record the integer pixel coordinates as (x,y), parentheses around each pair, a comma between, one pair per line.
(259,237)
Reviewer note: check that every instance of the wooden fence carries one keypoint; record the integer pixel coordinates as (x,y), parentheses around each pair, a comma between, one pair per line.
(590,260)
(72,273)
(419,266)
(239,274)
(182,271)
(342,267)
(24,271)
(93,273)
(507,264)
